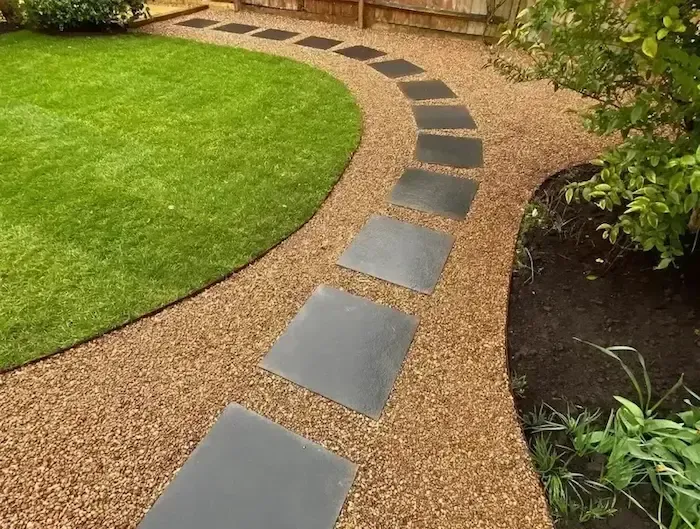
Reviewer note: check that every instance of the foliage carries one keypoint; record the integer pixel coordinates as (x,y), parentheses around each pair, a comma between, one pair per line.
(556,447)
(642,447)
(638,446)
(11,10)
(640,64)
(64,15)
(519,385)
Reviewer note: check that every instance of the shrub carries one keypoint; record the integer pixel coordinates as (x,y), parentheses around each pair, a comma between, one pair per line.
(11,11)
(86,14)
(640,64)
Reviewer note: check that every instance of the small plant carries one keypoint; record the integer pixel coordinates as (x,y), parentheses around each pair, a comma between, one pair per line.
(638,62)
(571,495)
(642,447)
(536,216)
(65,15)
(635,447)
(519,384)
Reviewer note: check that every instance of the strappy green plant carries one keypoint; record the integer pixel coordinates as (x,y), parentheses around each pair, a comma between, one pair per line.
(643,447)
(553,435)
(638,446)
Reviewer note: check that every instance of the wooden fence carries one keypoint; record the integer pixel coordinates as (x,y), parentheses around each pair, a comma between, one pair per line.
(470,17)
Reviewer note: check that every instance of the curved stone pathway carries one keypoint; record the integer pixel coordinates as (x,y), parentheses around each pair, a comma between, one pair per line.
(367,302)
(343,347)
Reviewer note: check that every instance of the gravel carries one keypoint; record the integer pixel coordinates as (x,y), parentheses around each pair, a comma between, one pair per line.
(90,437)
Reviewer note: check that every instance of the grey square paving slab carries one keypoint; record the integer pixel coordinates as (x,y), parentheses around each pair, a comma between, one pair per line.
(320,43)
(197,23)
(443,117)
(438,193)
(422,90)
(450,150)
(251,473)
(275,34)
(236,28)
(399,252)
(344,347)
(361,53)
(397,68)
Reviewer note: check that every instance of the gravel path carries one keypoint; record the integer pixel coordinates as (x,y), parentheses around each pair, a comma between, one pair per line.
(90,438)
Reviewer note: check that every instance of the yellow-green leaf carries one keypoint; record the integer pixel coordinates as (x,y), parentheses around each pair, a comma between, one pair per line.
(650,47)
(630,38)
(688,160)
(689,202)
(569,195)
(662,34)
(635,410)
(693,453)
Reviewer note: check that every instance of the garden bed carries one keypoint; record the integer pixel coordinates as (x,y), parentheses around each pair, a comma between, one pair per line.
(568,282)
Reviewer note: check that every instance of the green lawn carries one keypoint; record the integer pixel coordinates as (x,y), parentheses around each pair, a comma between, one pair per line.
(135,169)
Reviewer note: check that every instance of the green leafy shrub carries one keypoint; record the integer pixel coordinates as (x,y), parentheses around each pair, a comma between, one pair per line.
(11,11)
(64,15)
(641,66)
(639,446)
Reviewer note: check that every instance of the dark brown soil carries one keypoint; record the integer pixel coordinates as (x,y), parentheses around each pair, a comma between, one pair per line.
(582,287)
(6,27)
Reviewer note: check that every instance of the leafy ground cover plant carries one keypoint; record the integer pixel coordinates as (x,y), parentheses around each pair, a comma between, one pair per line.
(638,448)
(640,64)
(65,15)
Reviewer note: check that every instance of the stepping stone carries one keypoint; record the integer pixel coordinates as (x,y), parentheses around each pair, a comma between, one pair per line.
(344,347)
(442,117)
(197,23)
(399,252)
(251,473)
(421,90)
(450,150)
(397,68)
(434,193)
(236,28)
(275,34)
(320,43)
(361,53)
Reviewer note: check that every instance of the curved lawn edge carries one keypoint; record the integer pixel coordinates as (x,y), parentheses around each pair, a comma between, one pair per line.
(357,128)
(187,296)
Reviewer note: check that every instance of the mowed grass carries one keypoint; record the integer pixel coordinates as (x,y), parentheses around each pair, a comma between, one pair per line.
(135,169)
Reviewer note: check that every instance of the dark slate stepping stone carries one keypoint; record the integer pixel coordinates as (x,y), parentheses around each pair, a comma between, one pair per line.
(450,150)
(434,193)
(443,117)
(397,68)
(361,53)
(275,34)
(251,473)
(236,28)
(399,252)
(320,43)
(197,23)
(421,90)
(344,347)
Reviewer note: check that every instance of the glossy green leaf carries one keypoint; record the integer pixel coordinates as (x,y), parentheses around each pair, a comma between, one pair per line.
(650,47)
(692,452)
(631,406)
